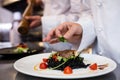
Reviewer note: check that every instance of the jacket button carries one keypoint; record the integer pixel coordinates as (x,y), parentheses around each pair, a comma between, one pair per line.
(99,29)
(99,4)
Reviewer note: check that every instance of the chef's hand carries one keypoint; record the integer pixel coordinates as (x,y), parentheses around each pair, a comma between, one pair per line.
(37,2)
(35,21)
(72,32)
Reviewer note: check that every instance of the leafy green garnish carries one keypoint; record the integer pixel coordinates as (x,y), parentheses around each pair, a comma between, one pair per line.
(62,39)
(65,59)
(21,50)
(71,57)
(59,58)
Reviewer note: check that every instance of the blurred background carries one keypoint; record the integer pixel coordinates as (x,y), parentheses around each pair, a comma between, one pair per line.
(8,9)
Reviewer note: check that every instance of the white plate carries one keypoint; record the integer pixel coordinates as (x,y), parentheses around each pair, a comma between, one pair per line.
(26,65)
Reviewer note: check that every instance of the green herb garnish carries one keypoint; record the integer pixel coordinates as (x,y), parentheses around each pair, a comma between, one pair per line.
(62,39)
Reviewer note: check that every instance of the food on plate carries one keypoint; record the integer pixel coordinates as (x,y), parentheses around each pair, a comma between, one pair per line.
(93,66)
(66,61)
(43,65)
(101,67)
(23,48)
(63,60)
(68,70)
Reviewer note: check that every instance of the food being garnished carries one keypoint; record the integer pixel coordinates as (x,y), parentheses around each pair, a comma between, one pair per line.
(68,60)
(23,48)
(63,60)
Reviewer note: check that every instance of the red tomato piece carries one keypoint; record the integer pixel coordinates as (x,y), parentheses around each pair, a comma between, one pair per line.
(22,45)
(93,66)
(68,70)
(45,60)
(43,65)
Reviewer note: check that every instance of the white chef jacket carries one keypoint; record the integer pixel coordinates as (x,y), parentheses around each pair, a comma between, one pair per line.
(59,11)
(106,19)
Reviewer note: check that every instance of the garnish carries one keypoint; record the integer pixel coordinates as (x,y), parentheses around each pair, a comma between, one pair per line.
(43,65)
(62,39)
(68,70)
(66,61)
(21,48)
(62,59)
(101,67)
(93,66)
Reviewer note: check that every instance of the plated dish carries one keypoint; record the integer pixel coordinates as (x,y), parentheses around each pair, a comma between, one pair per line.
(30,65)
(21,49)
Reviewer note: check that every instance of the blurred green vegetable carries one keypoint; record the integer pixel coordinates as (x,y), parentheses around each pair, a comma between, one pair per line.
(62,39)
